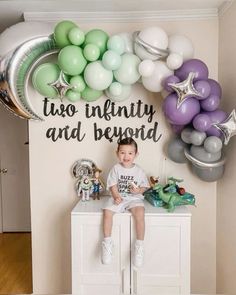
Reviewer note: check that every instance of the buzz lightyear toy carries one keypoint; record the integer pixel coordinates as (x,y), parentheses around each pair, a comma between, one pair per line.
(85,188)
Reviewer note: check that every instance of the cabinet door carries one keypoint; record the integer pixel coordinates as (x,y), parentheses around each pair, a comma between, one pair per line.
(166,267)
(89,275)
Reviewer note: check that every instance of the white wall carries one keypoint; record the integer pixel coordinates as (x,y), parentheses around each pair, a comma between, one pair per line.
(226,201)
(52,186)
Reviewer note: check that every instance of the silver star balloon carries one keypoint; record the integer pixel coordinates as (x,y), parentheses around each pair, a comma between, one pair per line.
(228,127)
(185,89)
(61,85)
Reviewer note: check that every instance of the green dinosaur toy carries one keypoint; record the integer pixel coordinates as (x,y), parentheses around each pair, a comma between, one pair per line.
(172,199)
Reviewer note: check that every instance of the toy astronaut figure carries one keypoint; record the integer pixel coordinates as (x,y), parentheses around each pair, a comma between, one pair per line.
(85,188)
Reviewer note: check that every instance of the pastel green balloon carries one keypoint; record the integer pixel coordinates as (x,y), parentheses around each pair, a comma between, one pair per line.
(117,44)
(111,60)
(76,36)
(125,93)
(61,33)
(90,94)
(43,75)
(71,60)
(115,88)
(97,37)
(97,77)
(72,95)
(91,52)
(128,71)
(78,83)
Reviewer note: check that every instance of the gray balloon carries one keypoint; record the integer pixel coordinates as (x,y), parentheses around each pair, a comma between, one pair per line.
(197,137)
(186,133)
(208,174)
(175,150)
(213,144)
(201,154)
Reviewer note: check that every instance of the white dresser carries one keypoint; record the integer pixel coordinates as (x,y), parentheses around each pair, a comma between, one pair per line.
(166,267)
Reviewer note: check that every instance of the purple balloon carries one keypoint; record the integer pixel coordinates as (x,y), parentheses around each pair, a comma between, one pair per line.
(182,115)
(193,65)
(215,87)
(216,116)
(171,79)
(204,88)
(202,122)
(211,103)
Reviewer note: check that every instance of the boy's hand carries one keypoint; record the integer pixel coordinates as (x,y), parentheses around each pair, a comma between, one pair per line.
(117,200)
(134,189)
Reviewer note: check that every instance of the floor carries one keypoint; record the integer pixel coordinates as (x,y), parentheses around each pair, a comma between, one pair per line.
(16,263)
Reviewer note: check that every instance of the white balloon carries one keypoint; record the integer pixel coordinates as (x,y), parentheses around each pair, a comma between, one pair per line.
(154,36)
(17,34)
(128,42)
(146,68)
(182,45)
(174,61)
(154,82)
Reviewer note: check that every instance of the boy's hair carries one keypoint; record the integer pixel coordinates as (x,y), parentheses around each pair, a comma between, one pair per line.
(127,141)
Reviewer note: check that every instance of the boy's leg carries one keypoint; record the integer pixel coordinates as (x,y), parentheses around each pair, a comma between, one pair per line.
(107,222)
(107,244)
(138,255)
(138,214)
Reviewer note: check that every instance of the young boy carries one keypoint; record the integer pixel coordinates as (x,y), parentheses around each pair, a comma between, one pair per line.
(126,182)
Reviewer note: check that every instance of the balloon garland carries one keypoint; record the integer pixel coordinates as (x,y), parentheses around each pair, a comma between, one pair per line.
(93,63)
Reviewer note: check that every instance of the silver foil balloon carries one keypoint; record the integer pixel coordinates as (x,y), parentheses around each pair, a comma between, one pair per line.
(15,67)
(228,127)
(185,89)
(202,164)
(156,52)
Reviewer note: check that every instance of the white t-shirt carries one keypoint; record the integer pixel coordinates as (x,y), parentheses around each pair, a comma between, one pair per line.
(125,177)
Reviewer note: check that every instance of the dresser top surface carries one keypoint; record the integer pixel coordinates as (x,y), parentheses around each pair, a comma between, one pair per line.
(95,207)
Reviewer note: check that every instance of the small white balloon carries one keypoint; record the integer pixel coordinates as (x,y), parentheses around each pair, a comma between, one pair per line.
(182,45)
(154,82)
(146,68)
(174,61)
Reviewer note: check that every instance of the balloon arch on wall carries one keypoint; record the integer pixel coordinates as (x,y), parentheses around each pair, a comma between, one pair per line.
(92,64)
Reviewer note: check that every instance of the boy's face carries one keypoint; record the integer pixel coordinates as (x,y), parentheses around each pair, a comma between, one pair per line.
(126,155)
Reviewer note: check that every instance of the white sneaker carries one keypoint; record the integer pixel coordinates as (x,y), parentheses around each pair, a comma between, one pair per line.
(138,255)
(107,247)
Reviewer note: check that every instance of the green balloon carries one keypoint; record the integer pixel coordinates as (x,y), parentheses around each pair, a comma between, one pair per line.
(91,52)
(72,95)
(61,33)
(90,94)
(71,60)
(43,75)
(97,37)
(76,36)
(78,83)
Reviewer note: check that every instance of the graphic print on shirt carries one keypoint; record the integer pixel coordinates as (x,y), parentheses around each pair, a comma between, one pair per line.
(125,182)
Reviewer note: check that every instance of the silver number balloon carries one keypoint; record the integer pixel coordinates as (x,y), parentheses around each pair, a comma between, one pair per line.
(14,68)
